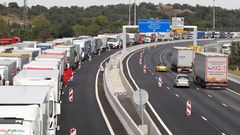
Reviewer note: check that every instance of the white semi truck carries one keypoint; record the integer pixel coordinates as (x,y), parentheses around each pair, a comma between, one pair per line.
(8,70)
(182,59)
(211,69)
(26,110)
(48,78)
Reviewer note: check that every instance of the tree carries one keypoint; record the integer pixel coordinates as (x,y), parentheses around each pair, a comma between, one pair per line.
(65,30)
(41,28)
(13,5)
(4,29)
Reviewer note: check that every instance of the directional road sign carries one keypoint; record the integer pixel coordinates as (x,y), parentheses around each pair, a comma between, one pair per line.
(154,25)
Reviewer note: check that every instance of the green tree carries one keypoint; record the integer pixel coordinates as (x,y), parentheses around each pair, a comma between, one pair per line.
(41,28)
(4,29)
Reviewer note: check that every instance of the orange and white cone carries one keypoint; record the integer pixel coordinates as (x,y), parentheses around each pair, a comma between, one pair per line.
(188,108)
(145,69)
(140,61)
(70,95)
(160,82)
(73,131)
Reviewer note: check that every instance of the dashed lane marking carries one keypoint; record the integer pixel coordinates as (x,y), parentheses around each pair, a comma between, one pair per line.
(168,88)
(224,105)
(209,96)
(204,118)
(177,95)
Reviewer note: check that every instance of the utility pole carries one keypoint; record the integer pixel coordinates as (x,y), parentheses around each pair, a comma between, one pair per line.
(135,13)
(214,21)
(25,15)
(129,10)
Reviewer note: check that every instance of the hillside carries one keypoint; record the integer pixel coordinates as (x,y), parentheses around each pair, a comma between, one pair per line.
(69,21)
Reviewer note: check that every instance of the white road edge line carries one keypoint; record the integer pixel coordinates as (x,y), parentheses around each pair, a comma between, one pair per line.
(149,104)
(100,104)
(204,118)
(233,91)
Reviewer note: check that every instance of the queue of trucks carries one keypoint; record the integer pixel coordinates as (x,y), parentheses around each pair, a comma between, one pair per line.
(210,69)
(33,74)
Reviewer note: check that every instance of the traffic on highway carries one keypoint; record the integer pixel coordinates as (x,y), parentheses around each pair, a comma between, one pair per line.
(160,76)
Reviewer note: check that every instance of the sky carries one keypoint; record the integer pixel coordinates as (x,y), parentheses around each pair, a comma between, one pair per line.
(229,4)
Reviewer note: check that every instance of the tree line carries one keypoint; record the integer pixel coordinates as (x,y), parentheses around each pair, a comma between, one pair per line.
(46,23)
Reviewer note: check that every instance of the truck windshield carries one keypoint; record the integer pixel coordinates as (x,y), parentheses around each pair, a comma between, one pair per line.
(111,40)
(11,120)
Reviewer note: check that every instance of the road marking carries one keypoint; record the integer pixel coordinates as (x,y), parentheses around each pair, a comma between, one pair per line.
(233,91)
(204,118)
(177,95)
(99,102)
(172,72)
(209,96)
(223,134)
(197,88)
(156,77)
(168,88)
(62,92)
(149,104)
(224,105)
(152,73)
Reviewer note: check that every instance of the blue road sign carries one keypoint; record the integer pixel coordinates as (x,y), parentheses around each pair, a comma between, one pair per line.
(154,25)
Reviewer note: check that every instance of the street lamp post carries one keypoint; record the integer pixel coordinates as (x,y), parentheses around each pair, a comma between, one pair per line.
(214,15)
(129,19)
(135,13)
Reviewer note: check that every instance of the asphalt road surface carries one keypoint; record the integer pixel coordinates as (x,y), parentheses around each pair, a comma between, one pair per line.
(214,112)
(83,113)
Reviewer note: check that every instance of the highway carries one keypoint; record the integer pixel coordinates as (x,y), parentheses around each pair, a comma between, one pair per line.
(213,111)
(83,113)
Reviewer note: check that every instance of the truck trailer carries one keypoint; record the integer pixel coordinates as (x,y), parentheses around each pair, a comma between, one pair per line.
(26,110)
(210,69)
(182,59)
(8,69)
(48,78)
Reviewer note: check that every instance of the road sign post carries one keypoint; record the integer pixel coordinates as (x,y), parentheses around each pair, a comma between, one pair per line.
(140,97)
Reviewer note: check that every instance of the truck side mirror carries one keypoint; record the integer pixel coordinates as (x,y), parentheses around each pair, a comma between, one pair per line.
(58,108)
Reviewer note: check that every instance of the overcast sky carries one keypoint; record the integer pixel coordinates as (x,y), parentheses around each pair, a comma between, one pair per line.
(229,4)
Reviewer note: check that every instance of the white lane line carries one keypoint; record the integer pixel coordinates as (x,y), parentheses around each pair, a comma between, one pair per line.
(197,88)
(149,104)
(223,134)
(168,88)
(204,118)
(233,91)
(156,77)
(99,102)
(63,93)
(172,72)
(177,95)
(224,105)
(209,96)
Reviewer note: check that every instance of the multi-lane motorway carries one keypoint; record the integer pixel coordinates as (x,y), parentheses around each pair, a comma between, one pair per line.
(213,111)
(83,113)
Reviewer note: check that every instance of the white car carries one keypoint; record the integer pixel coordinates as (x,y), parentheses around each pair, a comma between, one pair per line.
(182,80)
